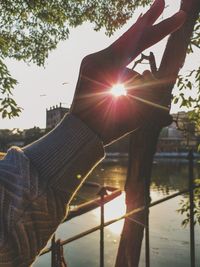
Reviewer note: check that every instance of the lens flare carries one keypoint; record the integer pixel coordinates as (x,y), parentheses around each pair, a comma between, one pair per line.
(118,90)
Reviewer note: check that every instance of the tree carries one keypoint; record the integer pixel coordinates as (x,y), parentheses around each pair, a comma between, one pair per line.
(143,142)
(30,29)
(32,134)
(185,206)
(7,137)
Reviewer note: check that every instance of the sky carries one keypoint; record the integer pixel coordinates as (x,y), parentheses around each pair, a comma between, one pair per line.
(40,88)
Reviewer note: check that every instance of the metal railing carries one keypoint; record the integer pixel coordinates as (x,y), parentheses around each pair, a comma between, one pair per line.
(104,198)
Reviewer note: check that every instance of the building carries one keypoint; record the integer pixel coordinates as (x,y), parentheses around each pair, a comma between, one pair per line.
(179,136)
(54,115)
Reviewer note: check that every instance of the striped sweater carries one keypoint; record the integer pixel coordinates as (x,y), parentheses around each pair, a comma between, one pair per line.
(36,185)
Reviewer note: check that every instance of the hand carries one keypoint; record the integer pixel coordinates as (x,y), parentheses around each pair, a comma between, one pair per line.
(112,117)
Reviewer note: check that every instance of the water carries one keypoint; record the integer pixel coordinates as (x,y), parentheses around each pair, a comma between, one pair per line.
(169,241)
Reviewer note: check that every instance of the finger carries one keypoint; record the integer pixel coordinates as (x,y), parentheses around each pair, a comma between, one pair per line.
(128,76)
(150,36)
(131,37)
(147,74)
(154,12)
(157,32)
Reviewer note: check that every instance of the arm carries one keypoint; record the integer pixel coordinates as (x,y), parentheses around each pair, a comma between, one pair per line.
(37,182)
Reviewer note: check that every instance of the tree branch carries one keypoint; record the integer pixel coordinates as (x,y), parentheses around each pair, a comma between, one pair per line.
(177,45)
(143,142)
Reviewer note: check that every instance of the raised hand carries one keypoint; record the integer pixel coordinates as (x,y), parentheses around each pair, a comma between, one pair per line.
(109,116)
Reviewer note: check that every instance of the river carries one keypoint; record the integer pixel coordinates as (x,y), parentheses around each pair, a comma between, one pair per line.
(169,241)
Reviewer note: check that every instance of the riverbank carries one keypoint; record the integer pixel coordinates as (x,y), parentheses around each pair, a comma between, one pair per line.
(178,155)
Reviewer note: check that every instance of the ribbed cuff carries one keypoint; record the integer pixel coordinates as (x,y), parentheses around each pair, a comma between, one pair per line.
(66,155)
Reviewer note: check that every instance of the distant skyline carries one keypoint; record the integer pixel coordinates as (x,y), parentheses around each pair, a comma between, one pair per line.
(40,88)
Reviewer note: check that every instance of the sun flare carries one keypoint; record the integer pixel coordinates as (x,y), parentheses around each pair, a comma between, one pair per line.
(118,90)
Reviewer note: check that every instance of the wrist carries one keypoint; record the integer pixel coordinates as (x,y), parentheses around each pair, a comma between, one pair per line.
(88,123)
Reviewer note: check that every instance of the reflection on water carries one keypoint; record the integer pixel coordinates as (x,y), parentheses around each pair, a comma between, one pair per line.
(113,210)
(171,175)
(168,175)
(169,242)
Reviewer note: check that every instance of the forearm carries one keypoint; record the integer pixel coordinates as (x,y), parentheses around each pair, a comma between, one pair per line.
(65,156)
(37,184)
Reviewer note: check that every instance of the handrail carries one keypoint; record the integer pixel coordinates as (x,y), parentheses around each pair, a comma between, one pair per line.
(100,202)
(92,204)
(94,229)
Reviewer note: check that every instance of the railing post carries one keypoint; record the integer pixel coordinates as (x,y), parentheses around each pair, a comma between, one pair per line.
(102,193)
(57,255)
(191,194)
(53,251)
(147,242)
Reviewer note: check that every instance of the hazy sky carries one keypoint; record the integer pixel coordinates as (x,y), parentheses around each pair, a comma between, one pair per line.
(39,88)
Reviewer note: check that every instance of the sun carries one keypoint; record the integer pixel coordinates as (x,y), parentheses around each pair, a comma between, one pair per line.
(118,90)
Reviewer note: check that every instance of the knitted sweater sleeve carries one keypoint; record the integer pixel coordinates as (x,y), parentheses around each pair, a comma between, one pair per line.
(36,185)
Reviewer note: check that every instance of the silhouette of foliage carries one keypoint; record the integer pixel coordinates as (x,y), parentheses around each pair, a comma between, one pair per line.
(30,29)
(185,206)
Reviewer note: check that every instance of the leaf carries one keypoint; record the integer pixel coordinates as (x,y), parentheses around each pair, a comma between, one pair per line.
(176,100)
(31,29)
